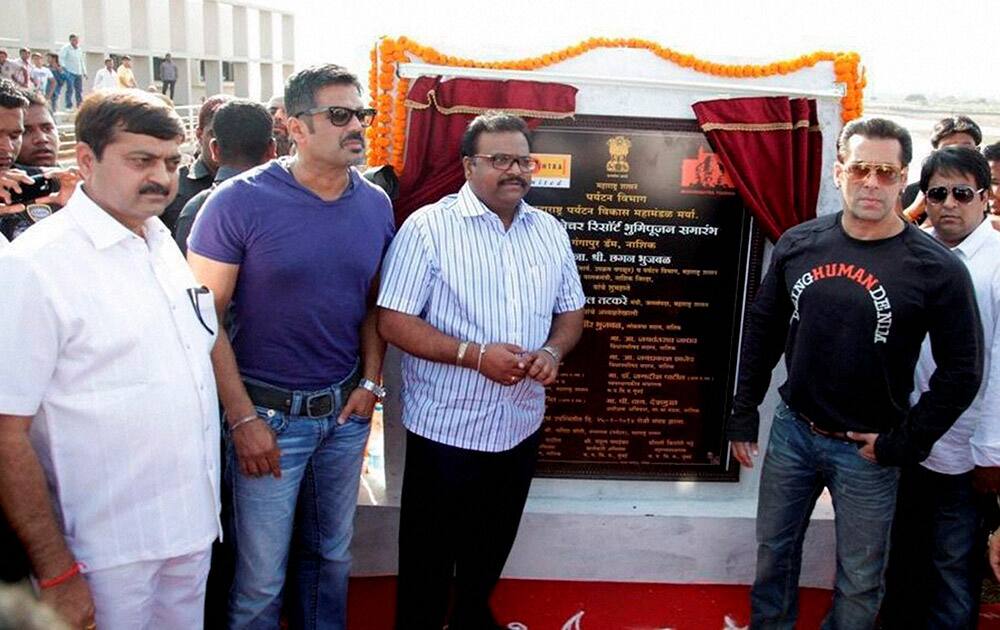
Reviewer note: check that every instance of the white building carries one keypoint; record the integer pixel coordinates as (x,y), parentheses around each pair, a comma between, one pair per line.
(232,46)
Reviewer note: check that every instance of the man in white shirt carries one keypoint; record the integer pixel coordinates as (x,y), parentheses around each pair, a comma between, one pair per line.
(934,574)
(74,69)
(23,74)
(41,76)
(109,426)
(106,78)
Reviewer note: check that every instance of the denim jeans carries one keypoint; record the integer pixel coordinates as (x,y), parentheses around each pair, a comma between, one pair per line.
(797,466)
(316,496)
(934,576)
(59,80)
(74,86)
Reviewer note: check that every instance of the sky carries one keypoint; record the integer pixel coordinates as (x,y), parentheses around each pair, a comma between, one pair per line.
(942,48)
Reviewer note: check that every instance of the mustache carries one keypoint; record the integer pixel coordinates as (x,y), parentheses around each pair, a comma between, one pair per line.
(155,189)
(515,178)
(354,136)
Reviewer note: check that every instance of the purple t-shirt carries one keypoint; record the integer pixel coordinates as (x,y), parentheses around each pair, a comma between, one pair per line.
(306,266)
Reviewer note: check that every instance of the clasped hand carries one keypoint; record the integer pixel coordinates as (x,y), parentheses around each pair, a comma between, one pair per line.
(508,364)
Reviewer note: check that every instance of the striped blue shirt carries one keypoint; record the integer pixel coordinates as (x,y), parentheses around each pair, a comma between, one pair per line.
(453,264)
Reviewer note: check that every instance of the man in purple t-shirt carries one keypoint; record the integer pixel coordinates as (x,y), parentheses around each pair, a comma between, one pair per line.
(295,247)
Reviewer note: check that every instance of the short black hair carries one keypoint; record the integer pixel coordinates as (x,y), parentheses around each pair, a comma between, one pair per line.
(208,108)
(492,122)
(992,152)
(104,113)
(956,161)
(301,87)
(955,124)
(11,96)
(243,131)
(876,128)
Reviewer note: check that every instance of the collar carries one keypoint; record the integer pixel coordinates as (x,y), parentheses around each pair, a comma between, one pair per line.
(199,170)
(101,228)
(974,241)
(225,172)
(469,205)
(284,164)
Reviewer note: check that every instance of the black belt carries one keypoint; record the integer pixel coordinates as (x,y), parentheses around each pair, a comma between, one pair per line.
(315,404)
(835,435)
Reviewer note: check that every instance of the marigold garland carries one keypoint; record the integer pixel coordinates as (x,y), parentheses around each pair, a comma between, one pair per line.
(387,135)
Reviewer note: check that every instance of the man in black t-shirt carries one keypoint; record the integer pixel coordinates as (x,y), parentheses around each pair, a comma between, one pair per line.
(849,298)
(200,174)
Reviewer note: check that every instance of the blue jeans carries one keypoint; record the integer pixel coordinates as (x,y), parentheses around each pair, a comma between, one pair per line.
(797,466)
(934,577)
(74,86)
(316,496)
(59,80)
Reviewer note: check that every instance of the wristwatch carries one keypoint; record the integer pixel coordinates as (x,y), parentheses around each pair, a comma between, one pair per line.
(373,387)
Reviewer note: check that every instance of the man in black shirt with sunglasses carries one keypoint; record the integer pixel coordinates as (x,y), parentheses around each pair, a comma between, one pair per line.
(849,298)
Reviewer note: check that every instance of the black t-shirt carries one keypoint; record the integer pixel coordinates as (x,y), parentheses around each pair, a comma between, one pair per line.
(191,181)
(850,316)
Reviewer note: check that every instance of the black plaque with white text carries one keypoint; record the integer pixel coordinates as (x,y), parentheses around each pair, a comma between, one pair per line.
(666,252)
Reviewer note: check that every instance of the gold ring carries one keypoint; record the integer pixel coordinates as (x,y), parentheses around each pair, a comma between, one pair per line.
(90,626)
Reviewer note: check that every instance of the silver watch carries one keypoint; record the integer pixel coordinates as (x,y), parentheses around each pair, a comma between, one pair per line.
(373,387)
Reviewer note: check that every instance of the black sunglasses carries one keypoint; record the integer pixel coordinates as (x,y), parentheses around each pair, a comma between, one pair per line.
(962,194)
(340,116)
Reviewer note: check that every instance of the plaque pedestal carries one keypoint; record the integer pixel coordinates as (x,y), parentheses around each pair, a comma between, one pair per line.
(608,530)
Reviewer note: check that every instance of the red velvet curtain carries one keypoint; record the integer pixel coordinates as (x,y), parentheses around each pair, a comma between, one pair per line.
(772,149)
(439,113)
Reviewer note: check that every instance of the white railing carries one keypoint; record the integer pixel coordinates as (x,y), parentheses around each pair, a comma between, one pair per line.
(67,132)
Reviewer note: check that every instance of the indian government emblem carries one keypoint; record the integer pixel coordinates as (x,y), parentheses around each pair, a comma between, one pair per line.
(618,148)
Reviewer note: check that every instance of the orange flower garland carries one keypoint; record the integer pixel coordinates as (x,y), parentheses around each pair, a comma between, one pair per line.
(387,135)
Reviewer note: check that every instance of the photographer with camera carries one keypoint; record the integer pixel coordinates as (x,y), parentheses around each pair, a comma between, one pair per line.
(32,186)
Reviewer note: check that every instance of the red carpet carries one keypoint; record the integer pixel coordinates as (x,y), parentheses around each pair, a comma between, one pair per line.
(551,605)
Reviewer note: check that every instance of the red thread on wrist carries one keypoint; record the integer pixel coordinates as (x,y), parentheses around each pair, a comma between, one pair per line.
(66,576)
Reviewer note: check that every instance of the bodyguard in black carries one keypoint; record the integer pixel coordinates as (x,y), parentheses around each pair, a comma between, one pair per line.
(849,299)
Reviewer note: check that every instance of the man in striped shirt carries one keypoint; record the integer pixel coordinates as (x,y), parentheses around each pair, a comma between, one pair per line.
(482,293)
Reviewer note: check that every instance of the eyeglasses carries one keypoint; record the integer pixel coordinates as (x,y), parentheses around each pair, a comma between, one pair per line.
(340,116)
(886,174)
(193,294)
(962,194)
(503,161)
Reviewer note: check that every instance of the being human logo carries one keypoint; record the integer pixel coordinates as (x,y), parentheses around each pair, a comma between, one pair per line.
(863,278)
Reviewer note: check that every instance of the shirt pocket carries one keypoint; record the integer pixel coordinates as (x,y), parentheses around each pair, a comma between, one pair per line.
(200,320)
(542,285)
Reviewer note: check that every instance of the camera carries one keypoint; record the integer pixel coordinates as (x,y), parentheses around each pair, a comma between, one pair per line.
(40,186)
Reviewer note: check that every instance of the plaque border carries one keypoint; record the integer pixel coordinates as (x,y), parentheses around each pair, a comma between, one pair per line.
(750,272)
